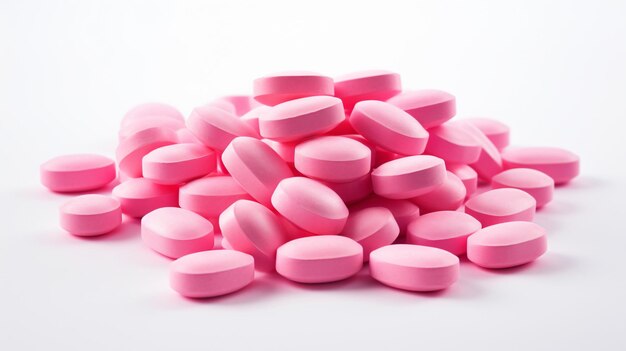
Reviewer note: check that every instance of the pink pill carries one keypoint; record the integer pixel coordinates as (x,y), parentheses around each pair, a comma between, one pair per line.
(429,107)
(280,87)
(185,136)
(389,127)
(408,177)
(368,144)
(372,228)
(319,259)
(211,273)
(149,110)
(216,128)
(147,122)
(367,85)
(538,184)
(178,163)
(256,167)
(561,165)
(333,158)
(414,267)
(384,156)
(78,172)
(507,245)
(501,205)
(446,230)
(310,205)
(496,131)
(238,105)
(489,162)
(297,119)
(404,211)
(453,144)
(352,191)
(447,196)
(210,196)
(468,176)
(251,118)
(139,196)
(90,215)
(286,151)
(131,150)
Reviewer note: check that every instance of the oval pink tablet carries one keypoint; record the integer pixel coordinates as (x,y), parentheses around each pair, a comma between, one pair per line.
(414,267)
(408,177)
(286,151)
(216,128)
(149,110)
(538,184)
(77,172)
(404,211)
(501,205)
(185,136)
(319,259)
(147,122)
(178,163)
(210,196)
(310,205)
(453,144)
(447,196)
(352,191)
(251,118)
(238,105)
(131,150)
(333,158)
(372,228)
(90,215)
(468,176)
(389,127)
(507,245)
(211,273)
(280,87)
(429,107)
(561,165)
(140,196)
(489,162)
(446,230)
(496,131)
(367,85)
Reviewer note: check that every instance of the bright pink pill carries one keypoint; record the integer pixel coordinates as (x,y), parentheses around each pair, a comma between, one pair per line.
(404,211)
(147,122)
(286,151)
(507,245)
(90,215)
(468,176)
(280,87)
(251,118)
(538,184)
(372,228)
(185,136)
(501,205)
(352,191)
(238,105)
(78,172)
(453,144)
(333,158)
(414,267)
(210,196)
(496,131)
(447,196)
(178,163)
(319,259)
(489,162)
(149,110)
(216,128)
(367,85)
(429,107)
(139,196)
(408,177)
(211,273)
(446,230)
(310,205)
(131,150)
(561,165)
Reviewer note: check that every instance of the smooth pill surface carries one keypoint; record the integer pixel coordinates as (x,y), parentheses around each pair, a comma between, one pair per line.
(372,228)
(447,196)
(251,118)
(150,122)
(139,196)
(286,150)
(496,131)
(280,87)
(333,158)
(404,211)
(468,176)
(238,105)
(210,196)
(408,177)
(453,144)
(149,110)
(561,165)
(131,150)
(536,183)
(216,128)
(429,107)
(489,162)
(501,205)
(90,215)
(352,191)
(77,172)
(447,230)
(178,163)
(367,85)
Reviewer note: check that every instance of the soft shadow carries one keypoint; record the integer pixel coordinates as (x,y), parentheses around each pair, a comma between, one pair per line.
(550,263)
(262,287)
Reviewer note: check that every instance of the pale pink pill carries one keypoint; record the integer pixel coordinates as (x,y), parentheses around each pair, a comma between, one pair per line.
(286,151)
(489,162)
(496,131)
(501,205)
(77,172)
(238,105)
(297,119)
(131,150)
(139,196)
(538,184)
(453,144)
(211,273)
(251,118)
(319,259)
(404,211)
(280,87)
(185,136)
(147,122)
(90,215)
(507,245)
(389,127)
(149,110)
(216,128)
(372,228)
(408,177)
(561,165)
(447,196)
(429,107)
(178,163)
(446,230)
(310,205)
(210,196)
(352,191)
(468,176)
(368,144)
(367,85)
(256,167)
(414,267)
(333,158)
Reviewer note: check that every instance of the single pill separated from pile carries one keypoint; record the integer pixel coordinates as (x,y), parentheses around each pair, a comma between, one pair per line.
(408,177)
(77,172)
(414,267)
(447,196)
(507,245)
(372,228)
(538,184)
(216,128)
(90,215)
(280,87)
(468,176)
(149,110)
(561,165)
(452,143)
(319,259)
(367,85)
(403,211)
(496,131)
(501,205)
(446,230)
(131,150)
(333,159)
(489,162)
(139,196)
(429,107)
(178,163)
(210,196)
(352,191)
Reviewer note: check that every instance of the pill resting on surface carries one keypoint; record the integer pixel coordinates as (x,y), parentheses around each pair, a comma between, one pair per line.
(501,205)
(560,164)
(536,183)
(139,196)
(90,215)
(77,172)
(447,230)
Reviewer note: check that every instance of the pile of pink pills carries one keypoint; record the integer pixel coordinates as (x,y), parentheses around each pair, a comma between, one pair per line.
(312,178)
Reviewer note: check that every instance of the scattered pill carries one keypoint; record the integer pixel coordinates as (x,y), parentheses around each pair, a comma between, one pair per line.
(501,205)
(140,196)
(372,228)
(429,107)
(447,196)
(408,177)
(90,215)
(538,184)
(367,85)
(333,159)
(496,131)
(178,163)
(280,87)
(77,172)
(559,164)
(447,230)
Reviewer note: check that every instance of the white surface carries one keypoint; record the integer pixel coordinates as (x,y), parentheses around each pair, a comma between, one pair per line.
(554,71)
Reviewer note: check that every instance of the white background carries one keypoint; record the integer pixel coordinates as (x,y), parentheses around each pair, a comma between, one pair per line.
(554,71)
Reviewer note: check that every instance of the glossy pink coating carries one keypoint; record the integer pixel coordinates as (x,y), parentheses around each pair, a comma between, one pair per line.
(77,172)
(408,177)
(90,215)
(238,105)
(452,143)
(280,87)
(178,163)
(501,205)
(211,273)
(210,196)
(216,128)
(561,165)
(429,107)
(297,119)
(468,176)
(319,259)
(389,127)
(139,196)
(446,230)
(495,130)
(367,85)
(131,150)
(149,110)
(489,162)
(414,267)
(286,151)
(507,245)
(538,184)
(251,118)
(147,122)
(333,158)
(352,191)
(404,211)
(447,196)
(371,227)
(310,205)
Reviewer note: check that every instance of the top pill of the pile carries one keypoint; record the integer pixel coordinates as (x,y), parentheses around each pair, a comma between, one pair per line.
(429,107)
(367,85)
(280,87)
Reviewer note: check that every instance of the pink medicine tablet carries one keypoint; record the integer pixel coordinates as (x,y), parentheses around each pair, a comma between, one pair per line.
(352,191)
(367,85)
(538,184)
(468,176)
(447,196)
(310,205)
(489,162)
(404,211)
(453,144)
(429,107)
(139,196)
(178,163)
(447,230)
(286,151)
(280,87)
(90,215)
(496,131)
(561,165)
(251,118)
(319,259)
(210,196)
(372,228)
(501,205)
(78,172)
(150,122)
(301,118)
(211,273)
(389,127)
(414,267)
(238,105)
(131,150)
(507,245)
(333,158)
(216,128)
(149,110)
(408,177)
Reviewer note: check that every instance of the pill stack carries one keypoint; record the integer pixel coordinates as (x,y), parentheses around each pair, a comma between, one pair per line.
(312,177)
